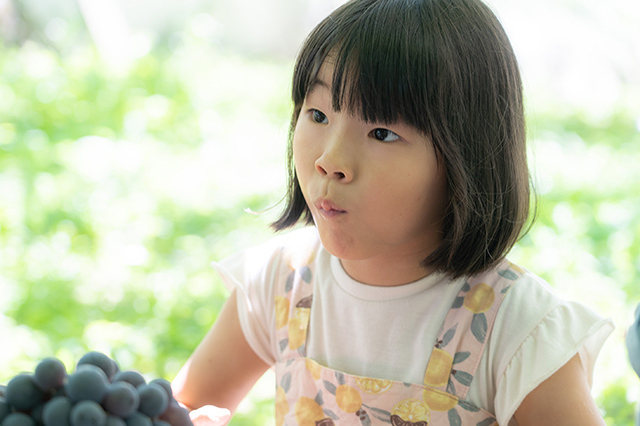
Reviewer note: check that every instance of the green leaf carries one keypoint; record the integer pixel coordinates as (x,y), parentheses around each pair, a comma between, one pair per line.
(458,302)
(305,273)
(468,406)
(285,383)
(329,386)
(479,327)
(451,388)
(289,284)
(365,419)
(379,412)
(454,418)
(330,413)
(487,422)
(461,356)
(449,335)
(463,377)
(508,274)
(283,344)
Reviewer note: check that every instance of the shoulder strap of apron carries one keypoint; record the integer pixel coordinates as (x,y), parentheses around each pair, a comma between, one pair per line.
(293,303)
(461,341)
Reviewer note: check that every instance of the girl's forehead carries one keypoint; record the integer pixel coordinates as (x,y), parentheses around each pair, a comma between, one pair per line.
(324,76)
(343,92)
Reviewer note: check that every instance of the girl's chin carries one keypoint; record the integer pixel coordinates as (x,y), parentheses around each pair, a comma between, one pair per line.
(336,245)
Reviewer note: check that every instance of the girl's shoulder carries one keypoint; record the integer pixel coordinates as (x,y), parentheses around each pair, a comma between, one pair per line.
(536,322)
(535,332)
(531,300)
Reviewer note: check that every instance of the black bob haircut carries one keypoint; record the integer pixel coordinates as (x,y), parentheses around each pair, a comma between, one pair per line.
(447,68)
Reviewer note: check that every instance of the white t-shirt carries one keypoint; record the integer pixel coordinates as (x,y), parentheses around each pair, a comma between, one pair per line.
(389,332)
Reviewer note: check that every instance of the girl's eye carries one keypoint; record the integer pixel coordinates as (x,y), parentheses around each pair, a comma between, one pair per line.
(319,117)
(384,135)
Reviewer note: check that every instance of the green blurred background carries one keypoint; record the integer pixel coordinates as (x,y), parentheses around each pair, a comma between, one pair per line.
(137,137)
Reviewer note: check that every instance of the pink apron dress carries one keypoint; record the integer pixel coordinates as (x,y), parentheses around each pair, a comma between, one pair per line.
(309,394)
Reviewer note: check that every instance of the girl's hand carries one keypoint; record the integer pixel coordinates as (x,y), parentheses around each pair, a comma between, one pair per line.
(210,415)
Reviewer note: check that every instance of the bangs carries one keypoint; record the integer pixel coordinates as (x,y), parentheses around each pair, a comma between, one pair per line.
(376,58)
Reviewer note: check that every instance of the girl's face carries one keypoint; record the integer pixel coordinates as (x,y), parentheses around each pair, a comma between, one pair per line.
(376,191)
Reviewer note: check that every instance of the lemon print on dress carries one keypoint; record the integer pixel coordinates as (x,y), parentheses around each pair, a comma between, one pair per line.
(348,398)
(410,412)
(439,401)
(373,386)
(298,323)
(282,406)
(439,368)
(298,327)
(516,268)
(314,368)
(308,412)
(480,298)
(282,311)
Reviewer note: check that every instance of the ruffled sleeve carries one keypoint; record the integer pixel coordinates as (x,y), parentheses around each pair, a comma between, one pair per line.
(541,333)
(568,329)
(245,272)
(254,274)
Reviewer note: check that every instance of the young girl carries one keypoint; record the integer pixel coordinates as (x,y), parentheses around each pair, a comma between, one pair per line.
(396,304)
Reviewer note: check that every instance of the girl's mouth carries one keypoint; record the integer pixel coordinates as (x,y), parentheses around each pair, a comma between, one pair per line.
(328,208)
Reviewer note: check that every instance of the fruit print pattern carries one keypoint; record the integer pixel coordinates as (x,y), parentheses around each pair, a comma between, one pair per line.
(309,394)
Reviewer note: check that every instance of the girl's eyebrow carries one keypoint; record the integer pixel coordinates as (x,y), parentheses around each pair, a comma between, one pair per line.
(317,82)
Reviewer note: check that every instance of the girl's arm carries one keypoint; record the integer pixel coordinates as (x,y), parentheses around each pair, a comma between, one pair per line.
(563,399)
(223,368)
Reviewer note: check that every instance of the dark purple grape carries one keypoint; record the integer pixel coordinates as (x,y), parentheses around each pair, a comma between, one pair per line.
(122,399)
(165,384)
(50,374)
(88,413)
(158,422)
(60,392)
(57,411)
(88,382)
(18,419)
(22,393)
(99,360)
(130,376)
(176,415)
(114,421)
(116,367)
(5,409)
(138,419)
(153,399)
(37,413)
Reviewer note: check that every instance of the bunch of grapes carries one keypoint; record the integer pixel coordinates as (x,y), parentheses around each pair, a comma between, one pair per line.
(97,393)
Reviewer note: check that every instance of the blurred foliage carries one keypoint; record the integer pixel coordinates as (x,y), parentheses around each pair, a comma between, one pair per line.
(108,223)
(618,410)
(118,187)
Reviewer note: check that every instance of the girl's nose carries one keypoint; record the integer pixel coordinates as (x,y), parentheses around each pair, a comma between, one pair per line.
(334,163)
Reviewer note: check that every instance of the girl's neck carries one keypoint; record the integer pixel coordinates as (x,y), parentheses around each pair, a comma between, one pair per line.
(385,272)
